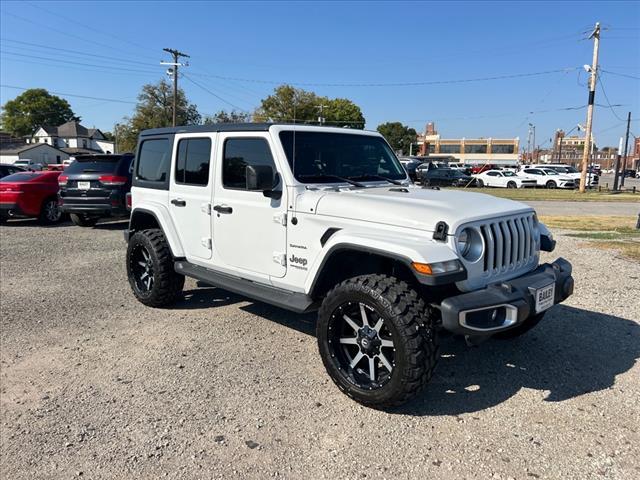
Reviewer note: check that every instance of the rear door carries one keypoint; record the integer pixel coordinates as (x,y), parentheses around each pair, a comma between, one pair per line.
(250,229)
(190,192)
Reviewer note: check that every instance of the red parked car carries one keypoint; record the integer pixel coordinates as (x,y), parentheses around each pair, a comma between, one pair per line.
(483,168)
(30,194)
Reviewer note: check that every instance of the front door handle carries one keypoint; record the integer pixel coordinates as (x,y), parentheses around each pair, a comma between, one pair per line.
(178,202)
(223,209)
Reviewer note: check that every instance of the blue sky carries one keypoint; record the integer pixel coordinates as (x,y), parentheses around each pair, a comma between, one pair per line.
(110,49)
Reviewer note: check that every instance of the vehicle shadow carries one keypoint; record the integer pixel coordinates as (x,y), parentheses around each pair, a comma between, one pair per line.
(33,222)
(570,353)
(112,225)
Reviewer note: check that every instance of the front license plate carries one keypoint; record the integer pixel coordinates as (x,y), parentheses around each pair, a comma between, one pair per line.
(84,185)
(545,297)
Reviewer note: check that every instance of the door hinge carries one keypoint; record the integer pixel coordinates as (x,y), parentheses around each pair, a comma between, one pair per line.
(206,242)
(280,218)
(206,208)
(280,258)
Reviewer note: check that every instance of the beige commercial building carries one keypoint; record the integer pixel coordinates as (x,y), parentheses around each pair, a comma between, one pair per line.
(499,151)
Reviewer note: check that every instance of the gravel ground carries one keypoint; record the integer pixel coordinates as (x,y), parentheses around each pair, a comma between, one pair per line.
(95,385)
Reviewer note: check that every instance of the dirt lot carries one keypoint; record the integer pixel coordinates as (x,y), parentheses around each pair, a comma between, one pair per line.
(95,385)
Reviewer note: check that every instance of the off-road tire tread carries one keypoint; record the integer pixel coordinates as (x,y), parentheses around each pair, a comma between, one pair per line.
(411,319)
(168,284)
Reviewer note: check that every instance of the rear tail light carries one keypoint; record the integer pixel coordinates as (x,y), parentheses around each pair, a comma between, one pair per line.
(112,180)
(128,200)
(62,180)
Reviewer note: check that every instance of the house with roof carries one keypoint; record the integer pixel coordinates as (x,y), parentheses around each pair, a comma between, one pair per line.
(73,139)
(12,150)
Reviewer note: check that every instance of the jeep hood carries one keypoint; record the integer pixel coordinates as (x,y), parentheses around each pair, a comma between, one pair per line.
(414,207)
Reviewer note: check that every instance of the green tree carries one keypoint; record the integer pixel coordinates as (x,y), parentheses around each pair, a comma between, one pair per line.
(341,112)
(399,136)
(32,109)
(154,110)
(223,116)
(289,104)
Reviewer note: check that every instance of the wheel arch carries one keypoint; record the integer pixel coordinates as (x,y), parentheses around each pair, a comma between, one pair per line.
(343,261)
(152,217)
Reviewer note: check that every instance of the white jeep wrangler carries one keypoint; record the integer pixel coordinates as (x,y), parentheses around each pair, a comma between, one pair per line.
(312,218)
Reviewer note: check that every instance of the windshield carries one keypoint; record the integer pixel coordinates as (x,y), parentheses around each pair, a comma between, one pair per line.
(507,173)
(320,157)
(94,165)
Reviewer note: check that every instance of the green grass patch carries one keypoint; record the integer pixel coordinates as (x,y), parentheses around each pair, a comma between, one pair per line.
(542,194)
(605,235)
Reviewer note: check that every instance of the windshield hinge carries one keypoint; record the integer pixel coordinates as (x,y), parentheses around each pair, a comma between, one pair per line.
(206,243)
(280,218)
(441,231)
(206,208)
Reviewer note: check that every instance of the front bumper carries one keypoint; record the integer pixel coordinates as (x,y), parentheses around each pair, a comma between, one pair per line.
(512,301)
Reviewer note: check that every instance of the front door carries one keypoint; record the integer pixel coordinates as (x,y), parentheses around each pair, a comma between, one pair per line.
(190,193)
(250,228)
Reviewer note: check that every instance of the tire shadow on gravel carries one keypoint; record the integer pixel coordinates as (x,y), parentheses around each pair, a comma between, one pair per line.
(572,352)
(207,296)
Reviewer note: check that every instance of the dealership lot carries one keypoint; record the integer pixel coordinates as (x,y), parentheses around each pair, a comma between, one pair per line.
(95,385)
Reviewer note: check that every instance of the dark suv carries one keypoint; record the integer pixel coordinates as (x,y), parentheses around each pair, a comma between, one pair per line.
(95,186)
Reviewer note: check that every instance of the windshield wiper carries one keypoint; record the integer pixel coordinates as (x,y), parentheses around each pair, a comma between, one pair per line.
(325,176)
(378,177)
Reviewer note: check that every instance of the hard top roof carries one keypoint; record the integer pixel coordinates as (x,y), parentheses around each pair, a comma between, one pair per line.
(234,127)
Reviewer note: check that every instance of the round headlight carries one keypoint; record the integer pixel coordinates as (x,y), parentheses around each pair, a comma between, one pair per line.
(470,245)
(464,242)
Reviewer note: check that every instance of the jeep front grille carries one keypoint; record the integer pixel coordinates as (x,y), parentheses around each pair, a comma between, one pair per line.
(509,243)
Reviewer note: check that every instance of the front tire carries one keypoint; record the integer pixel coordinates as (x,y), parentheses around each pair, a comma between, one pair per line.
(50,213)
(376,340)
(512,185)
(551,184)
(150,269)
(83,220)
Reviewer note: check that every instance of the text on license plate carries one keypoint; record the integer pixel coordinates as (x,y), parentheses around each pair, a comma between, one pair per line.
(545,297)
(84,185)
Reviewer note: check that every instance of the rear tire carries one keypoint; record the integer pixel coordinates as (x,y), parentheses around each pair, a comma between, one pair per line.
(521,329)
(50,213)
(386,360)
(83,220)
(150,269)
(480,183)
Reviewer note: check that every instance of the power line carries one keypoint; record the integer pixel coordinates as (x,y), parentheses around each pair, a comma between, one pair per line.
(395,84)
(604,92)
(620,74)
(215,94)
(74,52)
(73,95)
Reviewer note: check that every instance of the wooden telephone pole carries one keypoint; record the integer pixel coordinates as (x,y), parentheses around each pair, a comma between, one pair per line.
(175,64)
(592,94)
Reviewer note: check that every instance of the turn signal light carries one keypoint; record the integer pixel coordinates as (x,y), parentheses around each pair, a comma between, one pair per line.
(423,268)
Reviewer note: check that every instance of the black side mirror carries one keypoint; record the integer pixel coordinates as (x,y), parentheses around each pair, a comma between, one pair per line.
(259,177)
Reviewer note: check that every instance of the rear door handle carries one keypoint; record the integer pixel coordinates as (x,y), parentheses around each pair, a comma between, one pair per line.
(178,202)
(223,209)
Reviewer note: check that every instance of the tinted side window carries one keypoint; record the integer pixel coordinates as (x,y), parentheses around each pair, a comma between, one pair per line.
(154,161)
(240,152)
(192,164)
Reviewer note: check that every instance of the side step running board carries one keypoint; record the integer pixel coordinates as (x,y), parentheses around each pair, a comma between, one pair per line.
(297,302)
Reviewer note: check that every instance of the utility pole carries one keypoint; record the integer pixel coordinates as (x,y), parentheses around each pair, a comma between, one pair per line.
(592,94)
(534,143)
(626,150)
(176,56)
(529,143)
(617,171)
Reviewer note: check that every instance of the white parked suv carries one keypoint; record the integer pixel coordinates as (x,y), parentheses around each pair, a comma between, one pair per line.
(504,179)
(548,178)
(313,218)
(567,171)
